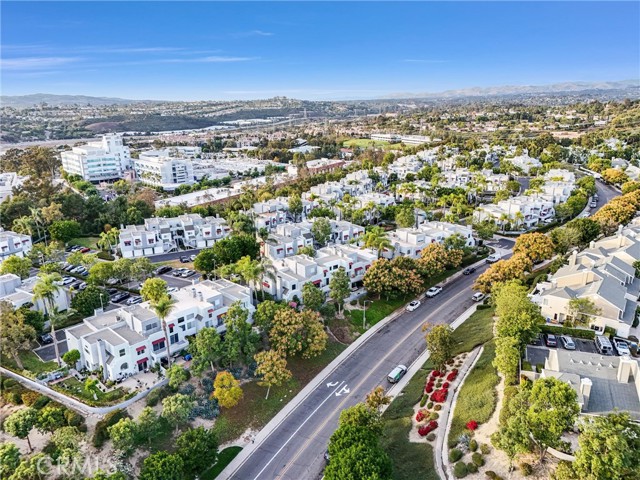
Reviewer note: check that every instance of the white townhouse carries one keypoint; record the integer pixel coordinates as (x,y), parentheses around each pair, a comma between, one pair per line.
(409,242)
(107,159)
(525,162)
(405,165)
(12,243)
(527,210)
(131,339)
(9,181)
(271,213)
(161,235)
(288,239)
(19,293)
(167,168)
(326,192)
(342,231)
(291,273)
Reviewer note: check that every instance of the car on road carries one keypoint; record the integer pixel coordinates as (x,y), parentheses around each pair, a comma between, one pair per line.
(413,305)
(567,342)
(433,291)
(493,258)
(593,205)
(550,340)
(119,297)
(46,339)
(178,272)
(188,273)
(134,300)
(478,297)
(162,270)
(396,374)
(621,346)
(468,270)
(184,259)
(192,258)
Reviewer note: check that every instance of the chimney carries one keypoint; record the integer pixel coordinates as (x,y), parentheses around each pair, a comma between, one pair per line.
(573,258)
(200,297)
(193,292)
(592,244)
(620,236)
(585,390)
(624,369)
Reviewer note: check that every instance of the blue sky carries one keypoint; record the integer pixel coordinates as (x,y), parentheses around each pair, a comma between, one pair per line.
(241,50)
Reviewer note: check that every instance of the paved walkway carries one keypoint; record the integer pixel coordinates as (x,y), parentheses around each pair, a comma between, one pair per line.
(442,445)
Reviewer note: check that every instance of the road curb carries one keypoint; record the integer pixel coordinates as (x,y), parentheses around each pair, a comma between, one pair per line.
(318,379)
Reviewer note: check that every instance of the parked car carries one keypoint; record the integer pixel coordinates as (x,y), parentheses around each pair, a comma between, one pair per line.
(77,269)
(85,250)
(478,297)
(178,272)
(172,289)
(68,280)
(468,270)
(162,270)
(433,291)
(396,374)
(82,285)
(536,341)
(184,259)
(188,273)
(112,291)
(46,339)
(567,342)
(192,258)
(621,346)
(413,305)
(550,340)
(134,300)
(119,297)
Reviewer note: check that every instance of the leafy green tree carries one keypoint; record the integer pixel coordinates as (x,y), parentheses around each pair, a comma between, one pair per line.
(377,239)
(163,466)
(440,345)
(20,424)
(71,357)
(517,316)
(101,273)
(15,335)
(227,390)
(100,475)
(9,459)
(298,333)
(266,312)
(206,349)
(272,367)
(17,265)
(535,246)
(35,467)
(64,230)
(507,358)
(176,409)
(205,261)
(295,206)
(153,289)
(312,296)
(339,288)
(321,230)
(87,301)
(149,425)
(141,269)
(45,289)
(177,375)
(34,318)
(405,217)
(123,435)
(251,271)
(240,340)
(50,419)
(582,309)
(198,449)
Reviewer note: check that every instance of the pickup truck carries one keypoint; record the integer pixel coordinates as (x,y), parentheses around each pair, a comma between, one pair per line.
(493,258)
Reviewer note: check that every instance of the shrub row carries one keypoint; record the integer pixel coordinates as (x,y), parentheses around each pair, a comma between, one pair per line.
(574,332)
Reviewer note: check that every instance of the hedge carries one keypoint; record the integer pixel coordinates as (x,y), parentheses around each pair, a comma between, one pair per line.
(101,434)
(574,332)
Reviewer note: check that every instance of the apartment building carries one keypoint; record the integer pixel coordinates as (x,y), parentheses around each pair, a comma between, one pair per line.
(12,243)
(167,168)
(409,164)
(525,162)
(291,273)
(131,339)
(288,239)
(107,159)
(271,213)
(315,167)
(9,181)
(409,242)
(163,235)
(524,210)
(603,273)
(19,293)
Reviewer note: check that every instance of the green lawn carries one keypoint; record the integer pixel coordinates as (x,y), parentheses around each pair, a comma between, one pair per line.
(255,411)
(376,311)
(411,461)
(31,363)
(364,143)
(477,330)
(224,458)
(477,397)
(76,389)
(89,242)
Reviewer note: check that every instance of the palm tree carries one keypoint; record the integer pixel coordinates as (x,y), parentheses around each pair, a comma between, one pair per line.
(163,308)
(504,218)
(377,239)
(518,216)
(45,289)
(108,239)
(251,272)
(36,216)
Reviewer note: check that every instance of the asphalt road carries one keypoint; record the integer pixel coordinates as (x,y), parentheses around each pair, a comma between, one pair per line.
(294,450)
(605,193)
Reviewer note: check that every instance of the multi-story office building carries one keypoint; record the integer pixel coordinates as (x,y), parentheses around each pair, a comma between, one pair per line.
(167,168)
(107,159)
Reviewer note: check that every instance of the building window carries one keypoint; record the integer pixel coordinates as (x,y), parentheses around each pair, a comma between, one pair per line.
(124,366)
(122,352)
(173,338)
(158,346)
(151,326)
(181,319)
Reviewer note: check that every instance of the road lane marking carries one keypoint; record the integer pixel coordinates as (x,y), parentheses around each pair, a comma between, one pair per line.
(343,390)
(330,385)
(314,434)
(298,429)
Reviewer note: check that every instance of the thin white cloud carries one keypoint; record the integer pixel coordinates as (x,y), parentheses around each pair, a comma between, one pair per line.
(253,33)
(423,60)
(35,63)
(223,59)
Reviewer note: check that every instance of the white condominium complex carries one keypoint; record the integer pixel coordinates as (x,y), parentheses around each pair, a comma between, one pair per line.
(106,159)
(167,168)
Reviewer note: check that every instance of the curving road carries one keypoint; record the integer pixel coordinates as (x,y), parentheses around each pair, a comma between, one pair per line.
(294,449)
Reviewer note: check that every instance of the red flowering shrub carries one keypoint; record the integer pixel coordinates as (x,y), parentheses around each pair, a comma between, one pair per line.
(429,388)
(452,375)
(445,385)
(472,425)
(419,416)
(428,428)
(435,374)
(439,395)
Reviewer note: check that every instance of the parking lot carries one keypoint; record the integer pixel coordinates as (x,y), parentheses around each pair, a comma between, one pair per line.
(48,352)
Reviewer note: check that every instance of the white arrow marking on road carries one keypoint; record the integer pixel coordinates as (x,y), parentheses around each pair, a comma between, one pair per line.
(329,385)
(344,390)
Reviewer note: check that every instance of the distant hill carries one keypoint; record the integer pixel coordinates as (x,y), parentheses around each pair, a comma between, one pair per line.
(566,87)
(25,101)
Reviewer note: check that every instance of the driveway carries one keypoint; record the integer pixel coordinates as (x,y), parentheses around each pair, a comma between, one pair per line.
(48,352)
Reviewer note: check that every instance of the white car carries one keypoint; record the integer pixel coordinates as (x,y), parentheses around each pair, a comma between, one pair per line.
(172,289)
(413,305)
(621,347)
(478,297)
(433,291)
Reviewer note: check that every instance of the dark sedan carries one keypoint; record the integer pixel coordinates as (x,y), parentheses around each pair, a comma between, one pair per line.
(468,270)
